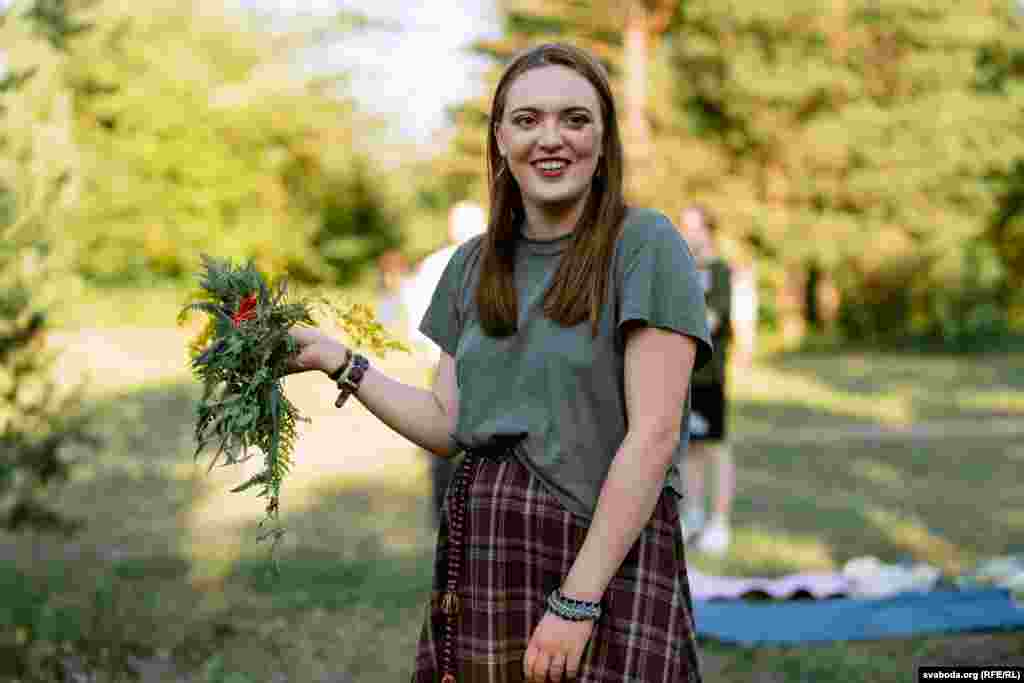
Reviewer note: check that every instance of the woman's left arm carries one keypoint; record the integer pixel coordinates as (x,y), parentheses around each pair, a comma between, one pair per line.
(657,367)
(657,376)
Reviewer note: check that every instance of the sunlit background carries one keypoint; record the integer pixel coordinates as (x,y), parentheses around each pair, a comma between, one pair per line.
(412,67)
(865,162)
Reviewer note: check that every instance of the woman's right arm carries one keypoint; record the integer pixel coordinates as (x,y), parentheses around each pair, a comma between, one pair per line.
(427,417)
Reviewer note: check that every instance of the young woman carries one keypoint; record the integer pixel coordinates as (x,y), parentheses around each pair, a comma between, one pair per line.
(563,330)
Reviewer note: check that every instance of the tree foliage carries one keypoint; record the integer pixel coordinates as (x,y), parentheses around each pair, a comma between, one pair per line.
(853,137)
(39,416)
(195,134)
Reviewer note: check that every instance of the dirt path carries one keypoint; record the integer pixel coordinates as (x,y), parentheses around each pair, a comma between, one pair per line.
(119,359)
(350,440)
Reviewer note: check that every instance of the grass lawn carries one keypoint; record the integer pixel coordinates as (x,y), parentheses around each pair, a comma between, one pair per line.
(167,576)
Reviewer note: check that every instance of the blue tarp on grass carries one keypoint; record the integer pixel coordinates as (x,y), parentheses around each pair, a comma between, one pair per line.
(838,619)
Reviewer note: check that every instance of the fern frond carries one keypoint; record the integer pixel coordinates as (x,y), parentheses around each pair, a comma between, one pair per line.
(241,355)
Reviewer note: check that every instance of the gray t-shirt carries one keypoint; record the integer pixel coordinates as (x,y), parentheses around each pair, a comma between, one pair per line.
(559,386)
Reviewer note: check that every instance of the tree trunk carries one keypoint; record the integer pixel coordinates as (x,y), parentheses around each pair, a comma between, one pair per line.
(828,300)
(791,305)
(638,133)
(839,37)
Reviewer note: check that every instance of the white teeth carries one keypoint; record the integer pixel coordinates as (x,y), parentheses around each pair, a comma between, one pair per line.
(552,165)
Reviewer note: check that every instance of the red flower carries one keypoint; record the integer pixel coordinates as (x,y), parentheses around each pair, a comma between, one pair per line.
(246,310)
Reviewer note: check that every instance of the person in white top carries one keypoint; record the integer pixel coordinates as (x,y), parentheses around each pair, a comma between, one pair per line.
(392,269)
(744,313)
(465,221)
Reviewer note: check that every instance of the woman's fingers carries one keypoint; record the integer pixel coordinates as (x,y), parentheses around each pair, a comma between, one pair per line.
(300,362)
(305,336)
(538,673)
(305,357)
(572,664)
(555,651)
(557,669)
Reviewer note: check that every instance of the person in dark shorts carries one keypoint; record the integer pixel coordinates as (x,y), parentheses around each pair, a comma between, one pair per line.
(568,332)
(708,404)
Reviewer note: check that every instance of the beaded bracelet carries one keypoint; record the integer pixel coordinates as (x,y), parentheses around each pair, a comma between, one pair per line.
(573,610)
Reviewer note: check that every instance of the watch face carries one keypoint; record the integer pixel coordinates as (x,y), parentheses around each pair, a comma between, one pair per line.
(359,367)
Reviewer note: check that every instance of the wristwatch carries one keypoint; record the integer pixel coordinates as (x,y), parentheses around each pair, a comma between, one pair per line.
(351,377)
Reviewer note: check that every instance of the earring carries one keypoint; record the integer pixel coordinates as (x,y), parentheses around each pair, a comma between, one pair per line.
(501,169)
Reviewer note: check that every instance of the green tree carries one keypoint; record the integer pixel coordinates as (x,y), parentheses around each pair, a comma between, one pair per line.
(197,135)
(846,143)
(1000,75)
(38,177)
(850,135)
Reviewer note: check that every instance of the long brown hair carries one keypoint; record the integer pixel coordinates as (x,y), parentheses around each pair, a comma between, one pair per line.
(578,289)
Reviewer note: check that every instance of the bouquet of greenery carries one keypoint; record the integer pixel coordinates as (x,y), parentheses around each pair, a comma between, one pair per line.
(241,356)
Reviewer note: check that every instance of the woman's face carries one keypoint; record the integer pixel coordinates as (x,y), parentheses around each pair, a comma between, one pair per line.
(550,135)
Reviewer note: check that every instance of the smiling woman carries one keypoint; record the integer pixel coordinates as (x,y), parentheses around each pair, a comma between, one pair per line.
(568,332)
(549,547)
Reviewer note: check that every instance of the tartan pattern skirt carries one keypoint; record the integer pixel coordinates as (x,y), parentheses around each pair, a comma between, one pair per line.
(515,545)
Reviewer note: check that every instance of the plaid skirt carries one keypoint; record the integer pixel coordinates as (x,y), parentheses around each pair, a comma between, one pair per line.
(508,542)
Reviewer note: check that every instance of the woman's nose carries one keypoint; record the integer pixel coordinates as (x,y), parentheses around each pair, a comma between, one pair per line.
(550,136)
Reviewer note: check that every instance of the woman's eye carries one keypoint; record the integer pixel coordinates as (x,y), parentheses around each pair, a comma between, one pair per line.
(523,120)
(578,121)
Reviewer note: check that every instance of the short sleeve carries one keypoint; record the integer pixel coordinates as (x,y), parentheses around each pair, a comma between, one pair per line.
(660,286)
(442,323)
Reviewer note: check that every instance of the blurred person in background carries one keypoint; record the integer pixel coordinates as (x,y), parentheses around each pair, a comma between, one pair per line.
(708,407)
(392,269)
(466,220)
(744,314)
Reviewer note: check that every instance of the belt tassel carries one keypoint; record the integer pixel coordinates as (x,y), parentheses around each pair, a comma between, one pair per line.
(450,603)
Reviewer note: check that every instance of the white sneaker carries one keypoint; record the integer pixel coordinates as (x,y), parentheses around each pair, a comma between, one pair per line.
(693,522)
(714,539)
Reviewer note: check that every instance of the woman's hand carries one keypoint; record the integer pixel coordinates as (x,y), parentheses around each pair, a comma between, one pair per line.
(556,649)
(317,351)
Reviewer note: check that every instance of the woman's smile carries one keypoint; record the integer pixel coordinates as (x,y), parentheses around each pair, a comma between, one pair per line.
(552,168)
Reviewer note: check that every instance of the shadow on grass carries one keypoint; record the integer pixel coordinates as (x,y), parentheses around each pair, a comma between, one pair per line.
(352,587)
(935,386)
(133,592)
(76,612)
(813,507)
(749,418)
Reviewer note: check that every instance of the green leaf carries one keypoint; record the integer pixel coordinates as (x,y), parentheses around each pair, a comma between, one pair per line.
(260,478)
(275,405)
(210,308)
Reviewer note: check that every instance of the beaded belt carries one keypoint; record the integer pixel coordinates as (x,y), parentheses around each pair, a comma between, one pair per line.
(457,499)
